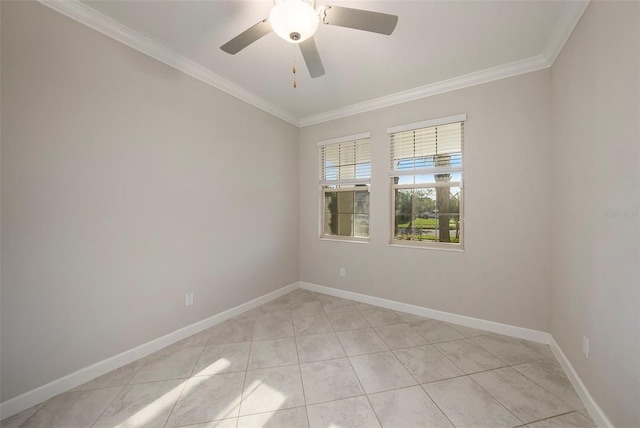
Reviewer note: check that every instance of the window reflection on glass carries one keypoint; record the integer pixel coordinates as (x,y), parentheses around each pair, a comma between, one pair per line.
(346,213)
(427,214)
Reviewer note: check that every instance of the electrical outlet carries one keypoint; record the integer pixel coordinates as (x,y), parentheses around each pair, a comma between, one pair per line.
(343,272)
(585,346)
(188,299)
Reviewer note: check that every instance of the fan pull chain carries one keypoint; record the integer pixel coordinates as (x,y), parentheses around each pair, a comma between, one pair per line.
(295,84)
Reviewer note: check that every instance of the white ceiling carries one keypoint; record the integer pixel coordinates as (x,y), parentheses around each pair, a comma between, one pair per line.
(437,46)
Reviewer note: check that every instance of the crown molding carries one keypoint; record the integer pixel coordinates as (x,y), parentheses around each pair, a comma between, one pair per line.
(123,34)
(472,79)
(571,16)
(572,13)
(91,18)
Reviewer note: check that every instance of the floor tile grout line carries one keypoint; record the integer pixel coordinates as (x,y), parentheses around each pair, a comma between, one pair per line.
(173,408)
(451,340)
(366,353)
(184,386)
(37,406)
(244,383)
(517,342)
(454,363)
(452,377)
(492,353)
(337,399)
(364,391)
(473,373)
(244,379)
(496,400)
(554,416)
(197,361)
(142,364)
(526,423)
(436,404)
(444,379)
(402,347)
(266,412)
(109,405)
(541,386)
(405,367)
(373,409)
(304,397)
(421,388)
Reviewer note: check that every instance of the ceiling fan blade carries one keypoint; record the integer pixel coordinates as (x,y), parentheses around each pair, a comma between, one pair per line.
(365,20)
(312,57)
(247,37)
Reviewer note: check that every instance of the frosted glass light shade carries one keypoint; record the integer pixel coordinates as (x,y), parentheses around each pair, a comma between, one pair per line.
(294,20)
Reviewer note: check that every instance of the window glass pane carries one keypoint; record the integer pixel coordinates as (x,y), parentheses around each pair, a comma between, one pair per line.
(361,227)
(330,219)
(346,213)
(425,179)
(428,214)
(330,171)
(344,225)
(345,202)
(363,170)
(330,202)
(361,202)
(415,179)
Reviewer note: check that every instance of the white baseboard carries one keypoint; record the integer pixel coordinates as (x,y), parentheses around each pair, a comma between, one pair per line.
(31,398)
(596,413)
(494,327)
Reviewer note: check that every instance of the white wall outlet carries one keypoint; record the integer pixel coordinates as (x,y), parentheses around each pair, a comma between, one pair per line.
(343,272)
(188,299)
(585,346)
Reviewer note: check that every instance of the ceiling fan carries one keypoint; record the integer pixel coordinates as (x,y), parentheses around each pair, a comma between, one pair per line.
(296,21)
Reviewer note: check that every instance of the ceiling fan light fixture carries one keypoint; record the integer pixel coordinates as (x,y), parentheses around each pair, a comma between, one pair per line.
(294,20)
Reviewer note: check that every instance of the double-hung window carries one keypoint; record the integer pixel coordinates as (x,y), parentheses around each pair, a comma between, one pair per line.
(426,183)
(345,176)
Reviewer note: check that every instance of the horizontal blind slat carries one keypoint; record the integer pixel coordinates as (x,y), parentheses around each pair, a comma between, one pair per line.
(349,160)
(427,147)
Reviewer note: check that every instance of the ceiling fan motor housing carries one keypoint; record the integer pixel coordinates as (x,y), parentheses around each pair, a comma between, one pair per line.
(294,20)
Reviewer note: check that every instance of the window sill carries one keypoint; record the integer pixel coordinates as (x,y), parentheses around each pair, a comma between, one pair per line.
(399,244)
(346,239)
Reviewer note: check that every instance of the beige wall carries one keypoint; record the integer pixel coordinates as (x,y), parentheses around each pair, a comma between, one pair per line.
(123,188)
(596,153)
(504,272)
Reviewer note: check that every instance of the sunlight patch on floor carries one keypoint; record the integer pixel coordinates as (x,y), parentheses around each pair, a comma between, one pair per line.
(146,415)
(266,395)
(214,368)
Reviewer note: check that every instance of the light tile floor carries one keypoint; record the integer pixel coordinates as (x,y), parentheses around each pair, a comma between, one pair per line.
(313,360)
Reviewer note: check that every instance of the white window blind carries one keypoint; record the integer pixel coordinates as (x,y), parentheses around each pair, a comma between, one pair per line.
(427,150)
(345,163)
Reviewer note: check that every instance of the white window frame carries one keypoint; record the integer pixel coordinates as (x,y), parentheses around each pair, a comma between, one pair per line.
(448,246)
(342,185)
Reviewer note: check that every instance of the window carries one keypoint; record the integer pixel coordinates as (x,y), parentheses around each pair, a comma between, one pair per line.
(426,183)
(345,174)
